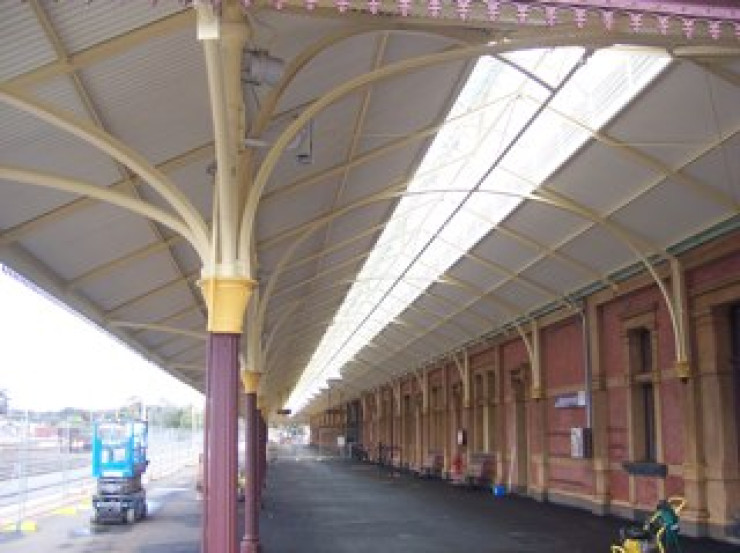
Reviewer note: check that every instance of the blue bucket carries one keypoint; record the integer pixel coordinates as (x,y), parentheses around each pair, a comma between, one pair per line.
(499,490)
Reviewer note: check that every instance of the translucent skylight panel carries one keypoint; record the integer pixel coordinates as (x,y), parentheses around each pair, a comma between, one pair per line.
(549,142)
(608,81)
(550,69)
(457,197)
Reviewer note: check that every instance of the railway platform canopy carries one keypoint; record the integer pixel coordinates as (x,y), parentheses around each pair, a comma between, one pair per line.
(457,228)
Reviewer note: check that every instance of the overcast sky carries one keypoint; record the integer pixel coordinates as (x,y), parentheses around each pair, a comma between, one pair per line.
(51,359)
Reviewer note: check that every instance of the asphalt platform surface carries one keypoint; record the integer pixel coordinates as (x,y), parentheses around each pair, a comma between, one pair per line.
(315,505)
(326,505)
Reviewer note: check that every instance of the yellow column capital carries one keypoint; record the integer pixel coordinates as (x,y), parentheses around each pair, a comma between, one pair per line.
(250,381)
(683,369)
(226,299)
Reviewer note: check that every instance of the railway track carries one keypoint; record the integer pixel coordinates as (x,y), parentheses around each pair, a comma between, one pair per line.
(16,462)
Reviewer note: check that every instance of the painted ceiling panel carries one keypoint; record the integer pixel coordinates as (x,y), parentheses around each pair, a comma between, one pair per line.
(98,234)
(555,276)
(178,347)
(194,181)
(599,250)
(302,206)
(720,169)
(298,278)
(683,108)
(457,293)
(686,211)
(400,95)
(516,300)
(358,220)
(125,87)
(355,250)
(20,30)
(546,224)
(476,272)
(331,136)
(126,283)
(62,94)
(186,257)
(372,178)
(474,321)
(601,177)
(337,65)
(161,304)
(308,246)
(505,251)
(82,24)
(403,45)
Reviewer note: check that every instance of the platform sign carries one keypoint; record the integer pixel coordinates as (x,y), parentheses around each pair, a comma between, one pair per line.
(580,443)
(567,401)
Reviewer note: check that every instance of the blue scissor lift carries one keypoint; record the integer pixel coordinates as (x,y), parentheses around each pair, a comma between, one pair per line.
(119,458)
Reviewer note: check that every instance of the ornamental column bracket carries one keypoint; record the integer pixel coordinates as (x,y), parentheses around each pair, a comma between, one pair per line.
(396,389)
(463,368)
(422,378)
(680,320)
(535,362)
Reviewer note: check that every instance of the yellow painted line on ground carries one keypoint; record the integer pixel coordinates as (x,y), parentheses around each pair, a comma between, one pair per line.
(67,511)
(27,527)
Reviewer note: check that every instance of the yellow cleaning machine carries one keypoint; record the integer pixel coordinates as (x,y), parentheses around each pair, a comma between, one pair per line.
(659,534)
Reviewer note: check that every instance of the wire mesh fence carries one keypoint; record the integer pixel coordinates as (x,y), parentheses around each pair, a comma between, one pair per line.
(45,465)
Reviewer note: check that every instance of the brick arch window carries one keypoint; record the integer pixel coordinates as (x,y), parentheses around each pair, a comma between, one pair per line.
(645,427)
(641,357)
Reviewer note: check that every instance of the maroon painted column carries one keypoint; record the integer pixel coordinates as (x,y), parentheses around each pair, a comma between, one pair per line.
(251,541)
(220,468)
(204,469)
(263,450)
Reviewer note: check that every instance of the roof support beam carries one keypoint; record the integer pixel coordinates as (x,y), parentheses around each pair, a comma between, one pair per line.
(112,266)
(18,232)
(88,132)
(223,40)
(72,186)
(92,111)
(386,72)
(104,50)
(161,328)
(653,163)
(267,111)
(183,280)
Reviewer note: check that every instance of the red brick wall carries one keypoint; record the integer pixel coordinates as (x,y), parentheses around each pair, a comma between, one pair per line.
(483,360)
(573,478)
(715,272)
(563,367)
(618,429)
(671,402)
(559,422)
(562,355)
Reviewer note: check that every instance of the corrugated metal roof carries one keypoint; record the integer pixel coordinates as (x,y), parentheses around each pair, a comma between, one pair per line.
(82,24)
(155,96)
(61,93)
(98,234)
(20,32)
